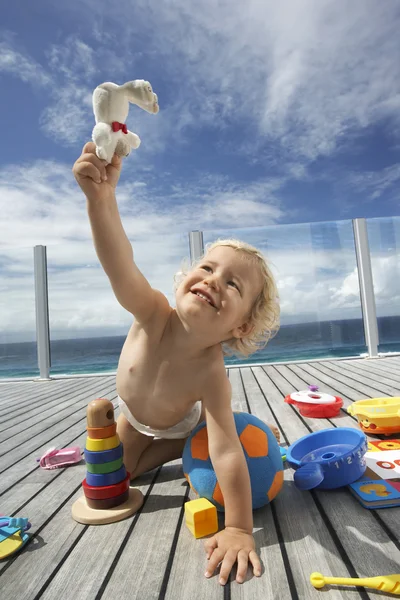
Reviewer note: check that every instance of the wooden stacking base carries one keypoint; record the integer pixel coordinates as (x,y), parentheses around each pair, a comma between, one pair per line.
(82,513)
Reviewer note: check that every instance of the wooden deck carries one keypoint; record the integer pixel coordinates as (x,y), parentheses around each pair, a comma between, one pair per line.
(152,555)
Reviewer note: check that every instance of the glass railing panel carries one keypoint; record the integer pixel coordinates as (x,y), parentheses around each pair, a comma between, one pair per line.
(18,352)
(384,243)
(316,273)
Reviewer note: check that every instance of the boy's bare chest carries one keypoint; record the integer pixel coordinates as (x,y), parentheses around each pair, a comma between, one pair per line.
(149,371)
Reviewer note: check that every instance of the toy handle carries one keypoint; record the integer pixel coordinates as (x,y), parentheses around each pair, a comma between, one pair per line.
(308,476)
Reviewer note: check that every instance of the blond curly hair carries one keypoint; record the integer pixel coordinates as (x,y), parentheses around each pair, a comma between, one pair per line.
(265,312)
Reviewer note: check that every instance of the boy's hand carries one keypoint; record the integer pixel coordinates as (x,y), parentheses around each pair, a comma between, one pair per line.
(229,546)
(97,179)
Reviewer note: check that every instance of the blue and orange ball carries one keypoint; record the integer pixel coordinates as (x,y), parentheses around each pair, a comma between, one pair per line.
(262,454)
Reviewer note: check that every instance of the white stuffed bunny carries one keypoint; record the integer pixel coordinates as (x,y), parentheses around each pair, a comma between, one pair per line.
(111,108)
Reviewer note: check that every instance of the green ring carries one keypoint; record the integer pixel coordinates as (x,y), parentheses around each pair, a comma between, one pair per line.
(107,467)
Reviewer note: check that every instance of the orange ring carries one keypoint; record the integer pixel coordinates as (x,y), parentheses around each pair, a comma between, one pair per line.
(100,433)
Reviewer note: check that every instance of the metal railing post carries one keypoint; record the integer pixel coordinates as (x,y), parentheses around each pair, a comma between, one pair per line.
(42,311)
(365,279)
(196,245)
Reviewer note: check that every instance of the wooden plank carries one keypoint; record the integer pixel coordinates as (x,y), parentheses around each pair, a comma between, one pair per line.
(307,539)
(146,543)
(44,437)
(371,368)
(344,386)
(273,584)
(355,513)
(288,382)
(381,365)
(379,384)
(54,535)
(34,398)
(370,373)
(56,411)
(19,468)
(31,415)
(299,532)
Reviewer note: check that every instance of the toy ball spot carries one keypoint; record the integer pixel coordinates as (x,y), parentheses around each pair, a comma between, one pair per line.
(262,454)
(110,415)
(276,486)
(217,495)
(199,445)
(254,441)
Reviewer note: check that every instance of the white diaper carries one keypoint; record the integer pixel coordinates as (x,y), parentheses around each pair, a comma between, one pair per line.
(179,431)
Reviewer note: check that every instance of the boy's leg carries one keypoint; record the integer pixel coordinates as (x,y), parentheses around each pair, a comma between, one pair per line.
(142,452)
(134,443)
(158,453)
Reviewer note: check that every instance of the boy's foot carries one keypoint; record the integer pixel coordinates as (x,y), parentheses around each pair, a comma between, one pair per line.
(275,431)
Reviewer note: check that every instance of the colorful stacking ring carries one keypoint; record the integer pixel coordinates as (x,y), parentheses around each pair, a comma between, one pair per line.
(96,458)
(99,433)
(108,467)
(106,479)
(103,444)
(110,491)
(107,503)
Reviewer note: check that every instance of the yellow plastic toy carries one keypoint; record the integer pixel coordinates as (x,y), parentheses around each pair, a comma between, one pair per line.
(385,583)
(99,445)
(201,517)
(377,415)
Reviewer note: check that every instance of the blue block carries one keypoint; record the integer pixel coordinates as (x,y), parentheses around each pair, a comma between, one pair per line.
(104,479)
(96,458)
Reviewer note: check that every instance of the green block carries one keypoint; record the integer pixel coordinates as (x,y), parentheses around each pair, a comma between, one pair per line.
(107,467)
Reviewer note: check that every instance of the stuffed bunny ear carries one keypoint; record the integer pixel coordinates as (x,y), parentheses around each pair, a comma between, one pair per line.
(141,93)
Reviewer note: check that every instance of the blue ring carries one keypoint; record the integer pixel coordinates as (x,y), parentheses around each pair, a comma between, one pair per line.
(105,479)
(97,458)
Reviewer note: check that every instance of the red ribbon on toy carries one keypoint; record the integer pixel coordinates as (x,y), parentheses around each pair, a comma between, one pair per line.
(119,127)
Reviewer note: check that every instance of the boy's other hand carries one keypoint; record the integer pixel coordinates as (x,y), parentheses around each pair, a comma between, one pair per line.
(230,546)
(96,179)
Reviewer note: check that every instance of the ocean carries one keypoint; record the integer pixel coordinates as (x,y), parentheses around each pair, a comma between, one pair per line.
(304,341)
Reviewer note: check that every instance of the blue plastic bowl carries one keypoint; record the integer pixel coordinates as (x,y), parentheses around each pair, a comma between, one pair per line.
(328,459)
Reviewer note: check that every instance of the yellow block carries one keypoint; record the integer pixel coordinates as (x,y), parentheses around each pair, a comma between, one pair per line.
(201,517)
(103,444)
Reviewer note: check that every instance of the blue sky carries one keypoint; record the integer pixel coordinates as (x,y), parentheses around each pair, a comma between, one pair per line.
(270,114)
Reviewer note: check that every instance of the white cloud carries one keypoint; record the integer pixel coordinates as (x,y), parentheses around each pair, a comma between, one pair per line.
(21,65)
(376,183)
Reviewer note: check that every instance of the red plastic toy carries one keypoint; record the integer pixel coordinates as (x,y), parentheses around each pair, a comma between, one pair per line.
(312,403)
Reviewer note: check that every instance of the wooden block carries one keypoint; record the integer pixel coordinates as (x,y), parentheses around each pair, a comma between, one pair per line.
(99,433)
(108,503)
(105,456)
(201,517)
(100,413)
(100,445)
(107,467)
(82,513)
(106,479)
(108,491)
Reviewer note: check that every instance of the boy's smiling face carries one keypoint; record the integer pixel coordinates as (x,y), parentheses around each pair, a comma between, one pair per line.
(218,294)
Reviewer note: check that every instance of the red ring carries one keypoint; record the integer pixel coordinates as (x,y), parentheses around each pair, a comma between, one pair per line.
(107,491)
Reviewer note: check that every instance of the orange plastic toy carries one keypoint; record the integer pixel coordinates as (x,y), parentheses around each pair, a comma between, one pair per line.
(377,415)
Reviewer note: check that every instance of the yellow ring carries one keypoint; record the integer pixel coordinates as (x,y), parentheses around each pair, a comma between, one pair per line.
(389,445)
(102,444)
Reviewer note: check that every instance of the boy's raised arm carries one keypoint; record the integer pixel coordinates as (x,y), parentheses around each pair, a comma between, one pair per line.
(98,182)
